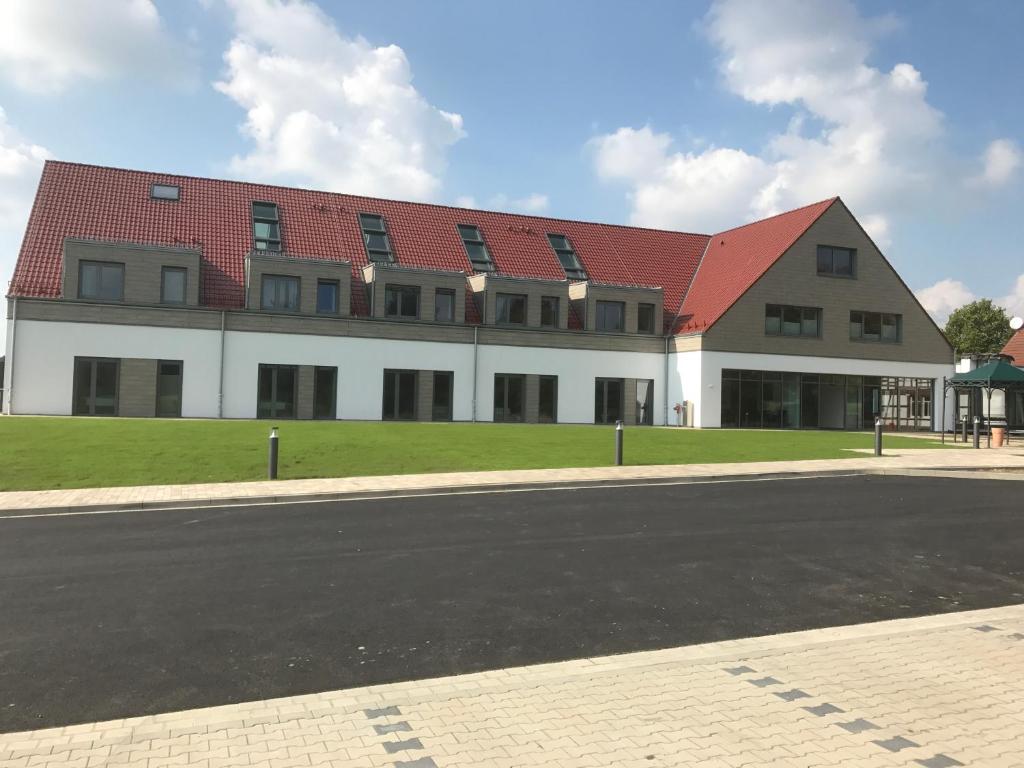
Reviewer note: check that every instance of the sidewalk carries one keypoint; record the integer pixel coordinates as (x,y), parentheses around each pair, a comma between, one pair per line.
(204,494)
(937,691)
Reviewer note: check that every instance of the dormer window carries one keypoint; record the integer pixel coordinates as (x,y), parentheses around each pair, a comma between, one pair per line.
(476,248)
(567,257)
(375,237)
(164,192)
(266,228)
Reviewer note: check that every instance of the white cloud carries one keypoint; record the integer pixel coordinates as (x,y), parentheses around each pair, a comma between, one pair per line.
(328,110)
(1014,301)
(20,164)
(943,297)
(857,131)
(46,45)
(1000,162)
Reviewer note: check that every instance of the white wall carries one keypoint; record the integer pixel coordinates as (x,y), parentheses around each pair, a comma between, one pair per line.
(685,384)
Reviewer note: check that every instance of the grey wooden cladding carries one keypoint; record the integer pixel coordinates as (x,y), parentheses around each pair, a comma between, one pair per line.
(136,387)
(143,266)
(488,285)
(585,296)
(378,276)
(308,271)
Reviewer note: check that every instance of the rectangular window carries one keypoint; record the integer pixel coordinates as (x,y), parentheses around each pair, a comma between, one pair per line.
(95,386)
(375,237)
(876,326)
(325,392)
(172,285)
(399,396)
(276,388)
(549,311)
(164,192)
(547,411)
(510,309)
(611,316)
(402,301)
(509,395)
(279,293)
(476,248)
(608,400)
(782,320)
(645,402)
(444,305)
(168,388)
(645,318)
(101,280)
(567,257)
(327,297)
(441,409)
(266,227)
(837,262)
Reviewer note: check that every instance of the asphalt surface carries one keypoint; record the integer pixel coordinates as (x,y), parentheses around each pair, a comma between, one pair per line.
(109,616)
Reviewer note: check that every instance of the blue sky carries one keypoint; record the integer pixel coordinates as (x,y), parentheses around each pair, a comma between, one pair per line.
(685,115)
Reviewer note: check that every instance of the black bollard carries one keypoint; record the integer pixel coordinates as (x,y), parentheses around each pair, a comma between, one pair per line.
(977,432)
(878,437)
(272,455)
(618,443)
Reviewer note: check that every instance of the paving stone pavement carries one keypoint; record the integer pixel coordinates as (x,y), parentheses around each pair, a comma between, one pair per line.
(937,692)
(894,460)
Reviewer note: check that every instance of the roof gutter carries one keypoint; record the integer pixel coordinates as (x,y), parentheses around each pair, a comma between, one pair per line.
(9,370)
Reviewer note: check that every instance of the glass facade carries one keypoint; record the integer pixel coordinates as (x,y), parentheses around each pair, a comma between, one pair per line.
(783,400)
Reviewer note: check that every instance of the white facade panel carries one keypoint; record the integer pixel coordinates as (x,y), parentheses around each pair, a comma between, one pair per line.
(685,385)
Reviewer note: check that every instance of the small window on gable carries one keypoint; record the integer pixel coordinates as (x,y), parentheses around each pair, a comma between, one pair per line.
(164,192)
(567,257)
(375,237)
(837,262)
(476,248)
(266,227)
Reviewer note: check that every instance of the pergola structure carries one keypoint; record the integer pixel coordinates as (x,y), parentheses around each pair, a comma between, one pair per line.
(994,375)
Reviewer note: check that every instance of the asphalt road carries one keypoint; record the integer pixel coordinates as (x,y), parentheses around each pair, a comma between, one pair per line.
(109,616)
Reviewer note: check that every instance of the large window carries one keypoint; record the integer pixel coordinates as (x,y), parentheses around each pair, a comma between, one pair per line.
(168,388)
(95,386)
(325,392)
(399,396)
(327,297)
(837,262)
(509,389)
(375,237)
(547,411)
(782,320)
(444,305)
(608,400)
(172,285)
(876,326)
(510,309)
(101,280)
(567,257)
(280,293)
(645,318)
(266,227)
(276,392)
(645,401)
(441,405)
(549,310)
(402,301)
(611,316)
(476,248)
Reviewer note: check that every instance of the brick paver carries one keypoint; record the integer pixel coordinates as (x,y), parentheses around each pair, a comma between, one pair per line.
(938,691)
(285,490)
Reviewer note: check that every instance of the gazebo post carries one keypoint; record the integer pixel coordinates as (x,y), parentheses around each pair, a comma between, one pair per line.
(942,424)
(989,414)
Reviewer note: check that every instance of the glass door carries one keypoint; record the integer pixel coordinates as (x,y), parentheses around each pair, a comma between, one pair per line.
(608,395)
(168,388)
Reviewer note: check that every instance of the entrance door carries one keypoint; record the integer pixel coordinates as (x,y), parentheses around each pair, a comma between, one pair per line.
(399,395)
(442,400)
(168,388)
(95,386)
(509,389)
(325,392)
(608,395)
(644,402)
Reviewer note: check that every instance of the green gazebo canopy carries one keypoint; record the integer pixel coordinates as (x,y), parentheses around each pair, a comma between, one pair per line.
(997,374)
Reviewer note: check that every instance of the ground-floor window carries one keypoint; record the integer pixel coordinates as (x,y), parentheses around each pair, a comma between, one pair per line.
(783,400)
(325,392)
(399,396)
(547,407)
(276,393)
(441,409)
(608,400)
(509,396)
(168,388)
(644,402)
(95,386)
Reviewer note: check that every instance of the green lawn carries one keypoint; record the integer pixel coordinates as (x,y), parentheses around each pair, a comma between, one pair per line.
(41,452)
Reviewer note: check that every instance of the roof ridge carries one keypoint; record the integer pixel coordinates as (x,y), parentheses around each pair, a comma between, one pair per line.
(828,200)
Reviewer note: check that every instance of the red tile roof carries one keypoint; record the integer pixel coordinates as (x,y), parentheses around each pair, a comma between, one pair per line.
(736,259)
(1015,348)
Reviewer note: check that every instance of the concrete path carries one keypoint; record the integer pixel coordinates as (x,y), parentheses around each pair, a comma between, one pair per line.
(199,494)
(937,691)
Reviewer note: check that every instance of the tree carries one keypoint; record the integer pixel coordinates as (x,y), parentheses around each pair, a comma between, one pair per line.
(978,328)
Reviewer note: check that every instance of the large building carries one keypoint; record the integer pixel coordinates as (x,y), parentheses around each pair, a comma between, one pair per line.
(150,294)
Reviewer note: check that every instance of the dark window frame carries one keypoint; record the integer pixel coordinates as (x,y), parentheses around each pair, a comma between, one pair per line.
(181,386)
(272,244)
(286,278)
(881,318)
(643,418)
(598,315)
(333,411)
(398,373)
(554,404)
(507,378)
(101,264)
(803,312)
(640,307)
(163,284)
(93,367)
(602,383)
(831,271)
(164,193)
(557,301)
(574,269)
(479,265)
(373,254)
(401,290)
(508,299)
(449,292)
(276,371)
(336,284)
(450,416)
